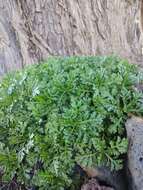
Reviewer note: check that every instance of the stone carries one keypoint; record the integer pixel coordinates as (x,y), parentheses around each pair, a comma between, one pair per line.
(114,179)
(134,128)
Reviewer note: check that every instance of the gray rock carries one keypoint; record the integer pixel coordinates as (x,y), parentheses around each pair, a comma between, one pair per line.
(134,128)
(115,179)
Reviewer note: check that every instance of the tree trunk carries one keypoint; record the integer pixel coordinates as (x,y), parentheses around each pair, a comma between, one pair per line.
(32,30)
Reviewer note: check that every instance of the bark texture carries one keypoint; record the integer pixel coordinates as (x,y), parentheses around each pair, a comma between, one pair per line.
(32,30)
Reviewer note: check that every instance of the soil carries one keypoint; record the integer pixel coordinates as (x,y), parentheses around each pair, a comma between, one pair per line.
(93,184)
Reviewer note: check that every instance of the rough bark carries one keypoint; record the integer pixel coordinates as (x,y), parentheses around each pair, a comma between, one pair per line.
(31,30)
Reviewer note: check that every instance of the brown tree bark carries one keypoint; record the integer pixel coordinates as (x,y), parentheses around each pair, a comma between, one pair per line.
(32,30)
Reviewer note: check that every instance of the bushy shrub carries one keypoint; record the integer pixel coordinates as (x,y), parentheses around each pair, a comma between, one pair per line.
(63,112)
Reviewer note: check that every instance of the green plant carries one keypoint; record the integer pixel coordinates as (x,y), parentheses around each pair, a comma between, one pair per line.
(62,112)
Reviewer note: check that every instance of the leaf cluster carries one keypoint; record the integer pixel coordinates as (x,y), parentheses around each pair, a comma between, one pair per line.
(63,112)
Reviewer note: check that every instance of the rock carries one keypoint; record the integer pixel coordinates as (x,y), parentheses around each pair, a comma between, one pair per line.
(134,128)
(114,179)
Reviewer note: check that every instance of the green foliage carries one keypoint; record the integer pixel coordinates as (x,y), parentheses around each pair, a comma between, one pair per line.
(62,112)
